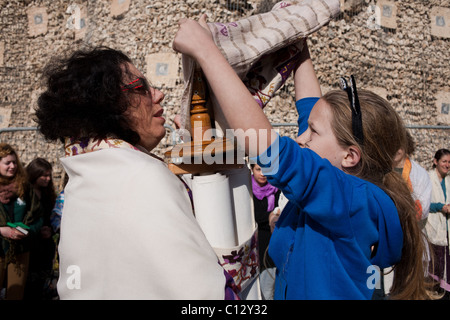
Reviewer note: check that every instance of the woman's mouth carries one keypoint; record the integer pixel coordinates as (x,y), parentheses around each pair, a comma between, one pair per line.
(159,114)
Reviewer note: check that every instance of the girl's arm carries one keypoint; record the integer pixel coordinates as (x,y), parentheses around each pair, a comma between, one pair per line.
(305,80)
(228,88)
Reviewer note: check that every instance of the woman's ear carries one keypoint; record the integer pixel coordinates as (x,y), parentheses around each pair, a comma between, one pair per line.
(351,157)
(435,162)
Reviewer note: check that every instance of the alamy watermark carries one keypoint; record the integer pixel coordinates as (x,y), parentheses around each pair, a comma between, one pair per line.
(374,20)
(374,278)
(73,281)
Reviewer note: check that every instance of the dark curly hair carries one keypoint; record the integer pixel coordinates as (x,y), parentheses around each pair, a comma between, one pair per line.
(84,97)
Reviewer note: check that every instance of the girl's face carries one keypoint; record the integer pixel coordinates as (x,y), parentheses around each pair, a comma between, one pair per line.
(146,113)
(8,166)
(43,181)
(443,165)
(320,137)
(258,175)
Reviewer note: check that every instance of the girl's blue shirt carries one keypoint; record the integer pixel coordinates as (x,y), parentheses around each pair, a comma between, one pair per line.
(336,231)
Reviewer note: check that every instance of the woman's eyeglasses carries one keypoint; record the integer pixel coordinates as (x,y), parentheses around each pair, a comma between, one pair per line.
(352,94)
(140,85)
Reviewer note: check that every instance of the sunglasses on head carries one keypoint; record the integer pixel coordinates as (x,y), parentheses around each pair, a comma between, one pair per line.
(350,88)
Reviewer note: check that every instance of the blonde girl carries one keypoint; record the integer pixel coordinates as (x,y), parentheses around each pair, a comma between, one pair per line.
(349,215)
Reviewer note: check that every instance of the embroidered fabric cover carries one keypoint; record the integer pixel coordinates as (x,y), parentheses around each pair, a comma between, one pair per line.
(241,262)
(262,48)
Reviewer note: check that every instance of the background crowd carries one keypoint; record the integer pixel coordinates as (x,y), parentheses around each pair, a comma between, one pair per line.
(28,258)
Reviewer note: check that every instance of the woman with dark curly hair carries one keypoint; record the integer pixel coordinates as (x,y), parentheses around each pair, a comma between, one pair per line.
(128,231)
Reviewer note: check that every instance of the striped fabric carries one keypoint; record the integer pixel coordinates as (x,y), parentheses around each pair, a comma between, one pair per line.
(262,48)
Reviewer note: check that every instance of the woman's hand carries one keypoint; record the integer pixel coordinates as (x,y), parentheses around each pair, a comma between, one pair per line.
(446,209)
(11,233)
(273,218)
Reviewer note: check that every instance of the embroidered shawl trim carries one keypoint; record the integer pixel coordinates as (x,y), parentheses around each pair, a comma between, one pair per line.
(73,147)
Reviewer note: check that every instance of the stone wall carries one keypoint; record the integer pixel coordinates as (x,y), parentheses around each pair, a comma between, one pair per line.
(397,48)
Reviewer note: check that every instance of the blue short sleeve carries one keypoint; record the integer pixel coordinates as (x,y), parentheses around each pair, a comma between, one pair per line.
(304,107)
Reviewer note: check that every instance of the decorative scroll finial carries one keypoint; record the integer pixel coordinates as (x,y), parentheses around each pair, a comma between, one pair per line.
(200,118)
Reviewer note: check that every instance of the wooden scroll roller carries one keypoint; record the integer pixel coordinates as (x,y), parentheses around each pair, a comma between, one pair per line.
(189,157)
(200,115)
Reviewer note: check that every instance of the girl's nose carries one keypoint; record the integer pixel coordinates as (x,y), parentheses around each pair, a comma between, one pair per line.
(304,138)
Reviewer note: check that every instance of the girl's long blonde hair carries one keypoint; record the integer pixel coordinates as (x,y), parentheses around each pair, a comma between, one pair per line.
(384,134)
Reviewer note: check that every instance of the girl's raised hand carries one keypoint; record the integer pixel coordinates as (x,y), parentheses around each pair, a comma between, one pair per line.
(238,106)
(193,38)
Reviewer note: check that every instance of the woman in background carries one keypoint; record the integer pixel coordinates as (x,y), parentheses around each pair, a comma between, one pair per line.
(39,173)
(267,212)
(18,204)
(437,222)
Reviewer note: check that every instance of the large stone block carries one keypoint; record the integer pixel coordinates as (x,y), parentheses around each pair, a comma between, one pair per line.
(37,21)
(388,14)
(5,117)
(443,107)
(440,22)
(162,69)
(119,7)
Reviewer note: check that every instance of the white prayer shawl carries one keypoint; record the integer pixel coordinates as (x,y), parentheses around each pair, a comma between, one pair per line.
(421,185)
(128,232)
(437,224)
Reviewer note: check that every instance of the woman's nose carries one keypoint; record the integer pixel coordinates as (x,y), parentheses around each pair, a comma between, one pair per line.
(157,95)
